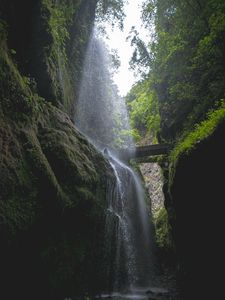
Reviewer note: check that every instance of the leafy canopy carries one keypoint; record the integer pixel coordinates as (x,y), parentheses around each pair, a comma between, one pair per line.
(143,106)
(110,11)
(186,60)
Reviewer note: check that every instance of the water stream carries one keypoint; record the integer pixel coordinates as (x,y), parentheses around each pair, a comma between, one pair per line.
(100,115)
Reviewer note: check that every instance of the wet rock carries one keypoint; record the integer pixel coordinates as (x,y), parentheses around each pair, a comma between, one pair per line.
(153,178)
(52,196)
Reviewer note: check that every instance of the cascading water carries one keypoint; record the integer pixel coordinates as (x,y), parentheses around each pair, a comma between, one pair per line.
(129,263)
(127,231)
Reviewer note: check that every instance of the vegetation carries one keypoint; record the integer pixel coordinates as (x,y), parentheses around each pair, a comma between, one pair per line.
(110,11)
(186,60)
(47,220)
(53,182)
(201,132)
(25,103)
(163,230)
(3,31)
(61,15)
(178,99)
(58,16)
(143,110)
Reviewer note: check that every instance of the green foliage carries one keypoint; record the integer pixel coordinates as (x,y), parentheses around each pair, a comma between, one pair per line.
(53,182)
(159,159)
(115,60)
(186,59)
(123,136)
(201,132)
(13,52)
(163,230)
(143,106)
(58,17)
(17,100)
(3,31)
(141,55)
(39,146)
(110,11)
(61,14)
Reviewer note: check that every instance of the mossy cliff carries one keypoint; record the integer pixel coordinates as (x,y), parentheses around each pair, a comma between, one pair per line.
(49,39)
(195,200)
(53,182)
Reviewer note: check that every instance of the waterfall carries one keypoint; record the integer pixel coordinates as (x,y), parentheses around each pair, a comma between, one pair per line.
(100,115)
(127,231)
(100,112)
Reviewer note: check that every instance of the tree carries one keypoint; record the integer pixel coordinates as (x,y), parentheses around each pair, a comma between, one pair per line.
(143,109)
(110,11)
(187,59)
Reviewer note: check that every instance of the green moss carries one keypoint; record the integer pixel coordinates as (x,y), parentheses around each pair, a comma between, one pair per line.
(17,99)
(17,215)
(18,206)
(151,159)
(59,16)
(3,32)
(18,190)
(53,181)
(42,169)
(201,132)
(163,230)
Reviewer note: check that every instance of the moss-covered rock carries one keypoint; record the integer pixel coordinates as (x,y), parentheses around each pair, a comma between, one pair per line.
(49,39)
(195,201)
(191,140)
(163,230)
(52,195)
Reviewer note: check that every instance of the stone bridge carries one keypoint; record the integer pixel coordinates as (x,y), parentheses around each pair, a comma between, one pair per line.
(142,151)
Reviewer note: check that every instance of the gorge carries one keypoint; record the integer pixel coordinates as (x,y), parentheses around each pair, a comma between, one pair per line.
(74,223)
(128,236)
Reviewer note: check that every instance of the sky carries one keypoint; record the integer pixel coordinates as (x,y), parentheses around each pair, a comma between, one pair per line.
(125,77)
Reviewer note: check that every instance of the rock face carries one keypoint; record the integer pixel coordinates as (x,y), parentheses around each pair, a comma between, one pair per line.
(153,179)
(197,199)
(53,181)
(49,39)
